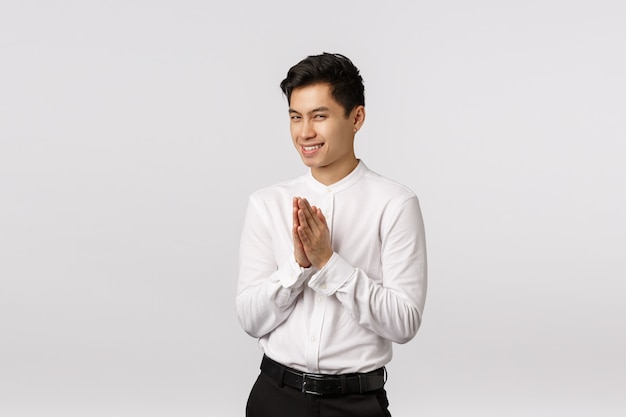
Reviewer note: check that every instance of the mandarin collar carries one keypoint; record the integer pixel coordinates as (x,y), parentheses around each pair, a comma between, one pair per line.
(344,183)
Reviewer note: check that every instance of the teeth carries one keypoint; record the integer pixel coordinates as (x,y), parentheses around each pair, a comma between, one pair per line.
(310,148)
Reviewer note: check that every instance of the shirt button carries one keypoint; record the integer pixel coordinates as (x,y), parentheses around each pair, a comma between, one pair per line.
(323,286)
(313,338)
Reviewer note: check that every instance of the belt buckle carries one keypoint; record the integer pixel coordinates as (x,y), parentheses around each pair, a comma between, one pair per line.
(307,379)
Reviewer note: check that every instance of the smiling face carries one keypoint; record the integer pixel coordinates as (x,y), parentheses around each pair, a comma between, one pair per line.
(321,132)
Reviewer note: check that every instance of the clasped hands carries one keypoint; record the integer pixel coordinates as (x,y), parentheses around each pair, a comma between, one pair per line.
(311,236)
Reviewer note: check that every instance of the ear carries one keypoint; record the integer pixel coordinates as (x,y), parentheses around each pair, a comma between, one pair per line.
(358,117)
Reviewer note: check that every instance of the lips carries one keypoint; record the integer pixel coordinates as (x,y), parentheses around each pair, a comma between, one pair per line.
(311,149)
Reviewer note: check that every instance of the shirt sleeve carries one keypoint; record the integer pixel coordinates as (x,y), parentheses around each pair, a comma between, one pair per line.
(266,292)
(392,309)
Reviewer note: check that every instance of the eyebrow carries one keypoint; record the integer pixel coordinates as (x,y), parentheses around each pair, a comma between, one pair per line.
(318,109)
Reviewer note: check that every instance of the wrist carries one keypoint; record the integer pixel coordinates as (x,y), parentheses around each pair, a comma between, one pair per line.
(323,261)
(303,264)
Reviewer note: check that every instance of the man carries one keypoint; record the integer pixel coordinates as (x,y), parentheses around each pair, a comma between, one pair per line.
(332,264)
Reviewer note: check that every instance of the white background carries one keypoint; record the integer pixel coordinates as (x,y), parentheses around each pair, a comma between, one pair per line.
(132,132)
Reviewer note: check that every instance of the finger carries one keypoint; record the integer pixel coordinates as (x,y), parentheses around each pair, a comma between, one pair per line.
(314,216)
(295,212)
(321,216)
(304,206)
(309,220)
(317,218)
(303,236)
(309,213)
(296,236)
(303,219)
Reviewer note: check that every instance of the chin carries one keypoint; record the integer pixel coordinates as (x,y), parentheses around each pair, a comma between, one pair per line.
(309,163)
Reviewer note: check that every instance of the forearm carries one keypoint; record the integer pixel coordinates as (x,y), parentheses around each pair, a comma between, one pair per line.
(265,301)
(392,312)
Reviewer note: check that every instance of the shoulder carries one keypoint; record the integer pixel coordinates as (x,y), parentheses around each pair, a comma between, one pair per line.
(398,203)
(278,191)
(384,187)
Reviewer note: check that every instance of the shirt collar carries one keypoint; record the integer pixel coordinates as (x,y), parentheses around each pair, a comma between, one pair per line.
(344,183)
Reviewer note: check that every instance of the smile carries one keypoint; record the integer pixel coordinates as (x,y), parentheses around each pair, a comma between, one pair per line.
(311,148)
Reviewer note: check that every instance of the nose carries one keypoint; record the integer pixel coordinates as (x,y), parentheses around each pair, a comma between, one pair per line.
(306,130)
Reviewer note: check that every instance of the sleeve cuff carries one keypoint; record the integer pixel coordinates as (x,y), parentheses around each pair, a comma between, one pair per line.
(294,275)
(332,276)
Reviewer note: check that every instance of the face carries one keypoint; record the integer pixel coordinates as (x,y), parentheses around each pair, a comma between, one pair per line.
(321,132)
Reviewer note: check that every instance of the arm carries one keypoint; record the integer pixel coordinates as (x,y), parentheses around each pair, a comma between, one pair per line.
(393,309)
(266,292)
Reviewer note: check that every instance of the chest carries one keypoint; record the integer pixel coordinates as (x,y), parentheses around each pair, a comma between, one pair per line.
(354,223)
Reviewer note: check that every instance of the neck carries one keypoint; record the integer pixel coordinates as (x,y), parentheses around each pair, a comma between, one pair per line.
(331,174)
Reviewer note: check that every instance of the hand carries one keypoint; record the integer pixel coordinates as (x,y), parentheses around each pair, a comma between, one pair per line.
(299,253)
(312,232)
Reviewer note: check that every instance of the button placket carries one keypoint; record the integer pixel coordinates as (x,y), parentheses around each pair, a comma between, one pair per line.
(327,208)
(315,331)
(326,204)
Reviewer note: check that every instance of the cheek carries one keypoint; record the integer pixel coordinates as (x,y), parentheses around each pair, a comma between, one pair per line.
(343,136)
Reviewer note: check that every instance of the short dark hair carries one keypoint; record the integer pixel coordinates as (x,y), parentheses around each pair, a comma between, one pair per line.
(346,84)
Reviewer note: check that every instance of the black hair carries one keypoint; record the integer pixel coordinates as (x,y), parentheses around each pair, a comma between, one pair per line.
(346,84)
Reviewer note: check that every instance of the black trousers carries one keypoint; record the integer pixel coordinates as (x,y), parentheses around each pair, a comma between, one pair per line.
(268,399)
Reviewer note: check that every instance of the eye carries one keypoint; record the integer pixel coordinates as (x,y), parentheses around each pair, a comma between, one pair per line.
(320,116)
(295,117)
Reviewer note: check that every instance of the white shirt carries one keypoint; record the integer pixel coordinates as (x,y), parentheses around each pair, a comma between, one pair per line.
(344,317)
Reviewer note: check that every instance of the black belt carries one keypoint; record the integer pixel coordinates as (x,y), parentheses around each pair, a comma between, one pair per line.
(324,384)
